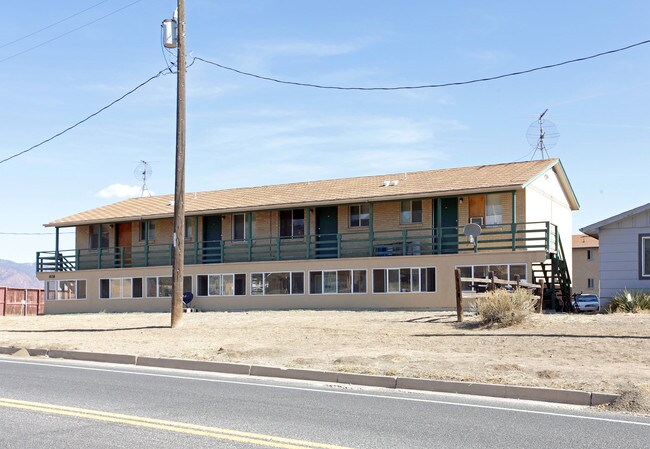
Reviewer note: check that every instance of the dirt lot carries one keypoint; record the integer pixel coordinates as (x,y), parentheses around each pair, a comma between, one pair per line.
(609,353)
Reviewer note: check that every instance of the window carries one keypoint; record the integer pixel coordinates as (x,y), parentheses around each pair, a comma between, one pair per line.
(507,272)
(221,284)
(292,223)
(411,212)
(161,287)
(124,288)
(590,255)
(590,283)
(143,230)
(645,255)
(238,226)
(493,209)
(189,227)
(99,236)
(69,289)
(285,283)
(337,282)
(404,280)
(360,216)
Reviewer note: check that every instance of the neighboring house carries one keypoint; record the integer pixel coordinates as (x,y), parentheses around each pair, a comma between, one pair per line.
(585,264)
(624,251)
(374,242)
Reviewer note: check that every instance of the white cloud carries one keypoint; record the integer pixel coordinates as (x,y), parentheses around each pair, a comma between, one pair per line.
(119,191)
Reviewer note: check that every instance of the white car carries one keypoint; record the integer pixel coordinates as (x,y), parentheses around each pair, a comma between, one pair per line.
(586,303)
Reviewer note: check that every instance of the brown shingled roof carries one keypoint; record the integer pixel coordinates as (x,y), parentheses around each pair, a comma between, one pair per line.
(584,241)
(453,181)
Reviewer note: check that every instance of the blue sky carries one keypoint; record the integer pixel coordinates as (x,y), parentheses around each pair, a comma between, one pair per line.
(242,131)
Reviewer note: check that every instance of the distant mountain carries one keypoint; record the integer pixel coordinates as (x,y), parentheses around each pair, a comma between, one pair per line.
(18,275)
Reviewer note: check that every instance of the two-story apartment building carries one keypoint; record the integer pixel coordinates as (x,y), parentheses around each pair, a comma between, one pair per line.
(373,242)
(585,264)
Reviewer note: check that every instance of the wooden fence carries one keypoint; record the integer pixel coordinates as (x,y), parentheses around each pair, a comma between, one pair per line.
(490,284)
(22,301)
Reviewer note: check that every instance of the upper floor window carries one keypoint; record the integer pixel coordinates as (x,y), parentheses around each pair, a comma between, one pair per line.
(411,212)
(189,227)
(590,255)
(590,283)
(143,230)
(292,223)
(493,209)
(238,226)
(360,216)
(99,236)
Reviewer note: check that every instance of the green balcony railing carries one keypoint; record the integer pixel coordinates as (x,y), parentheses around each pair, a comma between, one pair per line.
(402,242)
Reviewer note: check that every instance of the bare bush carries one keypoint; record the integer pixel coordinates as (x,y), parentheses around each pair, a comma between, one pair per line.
(505,308)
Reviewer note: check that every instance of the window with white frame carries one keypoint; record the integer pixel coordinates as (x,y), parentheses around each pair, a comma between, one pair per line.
(360,216)
(506,272)
(229,284)
(68,289)
(292,223)
(120,288)
(337,282)
(493,209)
(404,280)
(281,283)
(645,255)
(161,286)
(239,226)
(411,212)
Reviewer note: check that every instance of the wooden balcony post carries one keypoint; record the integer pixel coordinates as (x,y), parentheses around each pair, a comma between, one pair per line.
(371,231)
(56,249)
(459,297)
(308,234)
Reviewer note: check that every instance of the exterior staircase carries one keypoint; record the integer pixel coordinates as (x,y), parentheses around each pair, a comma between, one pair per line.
(555,273)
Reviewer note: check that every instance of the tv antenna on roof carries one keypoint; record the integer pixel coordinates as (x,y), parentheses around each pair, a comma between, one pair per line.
(542,135)
(142,172)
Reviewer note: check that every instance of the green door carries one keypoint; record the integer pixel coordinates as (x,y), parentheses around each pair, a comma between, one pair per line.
(327,228)
(448,224)
(211,239)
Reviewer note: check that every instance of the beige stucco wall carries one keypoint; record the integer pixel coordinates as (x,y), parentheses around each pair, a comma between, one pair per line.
(444,297)
(584,269)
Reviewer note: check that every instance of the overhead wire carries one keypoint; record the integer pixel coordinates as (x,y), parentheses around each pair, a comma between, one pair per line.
(85,119)
(52,24)
(426,86)
(69,32)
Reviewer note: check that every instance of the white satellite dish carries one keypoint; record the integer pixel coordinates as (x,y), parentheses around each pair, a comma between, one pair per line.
(472,230)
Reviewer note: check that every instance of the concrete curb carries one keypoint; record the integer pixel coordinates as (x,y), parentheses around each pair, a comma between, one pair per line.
(573,397)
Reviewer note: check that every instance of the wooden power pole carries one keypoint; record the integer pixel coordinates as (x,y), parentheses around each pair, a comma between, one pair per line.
(179,191)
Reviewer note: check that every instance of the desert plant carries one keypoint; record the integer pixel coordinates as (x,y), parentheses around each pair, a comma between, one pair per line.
(629,301)
(505,308)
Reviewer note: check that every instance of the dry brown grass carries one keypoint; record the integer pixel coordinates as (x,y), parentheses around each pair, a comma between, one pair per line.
(504,308)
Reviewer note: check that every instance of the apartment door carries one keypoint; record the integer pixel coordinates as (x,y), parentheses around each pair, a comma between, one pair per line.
(124,242)
(211,250)
(327,228)
(449,225)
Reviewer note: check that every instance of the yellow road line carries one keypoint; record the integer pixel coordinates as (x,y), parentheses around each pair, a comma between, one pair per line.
(193,429)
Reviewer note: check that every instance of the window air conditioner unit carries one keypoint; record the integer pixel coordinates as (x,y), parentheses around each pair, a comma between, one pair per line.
(476,220)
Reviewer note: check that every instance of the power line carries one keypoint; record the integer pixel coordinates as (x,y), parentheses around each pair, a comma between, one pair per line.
(69,32)
(428,86)
(85,119)
(52,25)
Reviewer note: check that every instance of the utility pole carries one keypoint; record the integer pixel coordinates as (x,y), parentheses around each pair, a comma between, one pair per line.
(179,191)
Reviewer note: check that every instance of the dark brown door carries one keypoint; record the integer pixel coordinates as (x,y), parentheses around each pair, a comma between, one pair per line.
(124,241)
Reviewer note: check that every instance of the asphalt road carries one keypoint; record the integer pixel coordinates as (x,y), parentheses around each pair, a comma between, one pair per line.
(62,404)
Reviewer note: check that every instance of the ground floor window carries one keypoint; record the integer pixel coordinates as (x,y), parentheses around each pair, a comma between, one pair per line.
(69,289)
(337,282)
(506,272)
(404,280)
(284,283)
(221,284)
(645,255)
(120,288)
(161,286)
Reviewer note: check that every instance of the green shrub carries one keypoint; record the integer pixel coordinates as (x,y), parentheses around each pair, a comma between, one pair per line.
(504,308)
(634,301)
